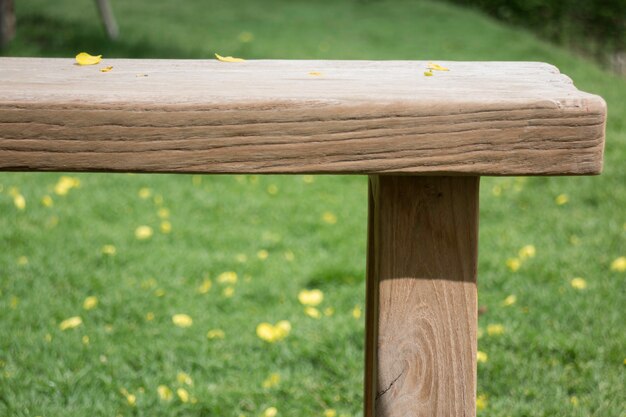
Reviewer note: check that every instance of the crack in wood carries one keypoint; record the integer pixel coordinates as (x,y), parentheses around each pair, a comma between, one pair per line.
(381,393)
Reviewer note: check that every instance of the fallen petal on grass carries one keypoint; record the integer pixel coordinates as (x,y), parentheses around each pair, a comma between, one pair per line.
(71,323)
(143,232)
(90,302)
(578,283)
(165,393)
(619,264)
(310,297)
(182,320)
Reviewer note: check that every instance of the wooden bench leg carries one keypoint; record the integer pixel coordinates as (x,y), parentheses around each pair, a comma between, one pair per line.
(421,297)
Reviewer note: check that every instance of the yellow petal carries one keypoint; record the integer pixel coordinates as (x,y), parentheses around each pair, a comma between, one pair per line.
(109,250)
(495,329)
(215,334)
(312,312)
(481,402)
(184,378)
(310,297)
(106,69)
(270,333)
(436,67)
(85,59)
(228,277)
(619,264)
(205,287)
(428,73)
(182,394)
(561,199)
(163,213)
(166,227)
(283,328)
(271,380)
(265,331)
(330,412)
(164,392)
(65,184)
(527,251)
(47,201)
(90,302)
(143,232)
(145,193)
(578,283)
(513,264)
(228,58)
(509,301)
(315,74)
(270,412)
(228,292)
(19,201)
(329,218)
(131,399)
(70,323)
(182,320)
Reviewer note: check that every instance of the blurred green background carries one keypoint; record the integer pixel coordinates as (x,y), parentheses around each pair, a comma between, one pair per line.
(551,267)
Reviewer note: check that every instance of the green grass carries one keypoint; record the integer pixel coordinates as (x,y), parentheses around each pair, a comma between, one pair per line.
(562,352)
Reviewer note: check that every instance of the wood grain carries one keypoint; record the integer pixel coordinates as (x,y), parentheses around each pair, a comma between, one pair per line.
(369,117)
(421,297)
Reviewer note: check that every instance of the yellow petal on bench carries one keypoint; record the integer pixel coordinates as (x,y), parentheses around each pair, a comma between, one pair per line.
(106,69)
(228,58)
(436,67)
(85,59)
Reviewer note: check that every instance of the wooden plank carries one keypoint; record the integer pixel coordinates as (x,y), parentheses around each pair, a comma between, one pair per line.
(368,117)
(421,297)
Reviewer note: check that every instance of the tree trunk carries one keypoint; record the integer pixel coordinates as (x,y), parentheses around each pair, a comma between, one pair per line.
(7,22)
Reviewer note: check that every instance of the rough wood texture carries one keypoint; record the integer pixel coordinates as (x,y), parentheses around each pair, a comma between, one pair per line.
(421,297)
(479,118)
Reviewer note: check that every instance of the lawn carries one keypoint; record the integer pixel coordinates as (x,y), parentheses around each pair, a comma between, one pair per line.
(128,254)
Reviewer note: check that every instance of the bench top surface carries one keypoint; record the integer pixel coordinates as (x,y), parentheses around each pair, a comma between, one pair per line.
(276,116)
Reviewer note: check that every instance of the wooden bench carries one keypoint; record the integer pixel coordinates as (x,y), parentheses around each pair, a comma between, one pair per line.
(423,140)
